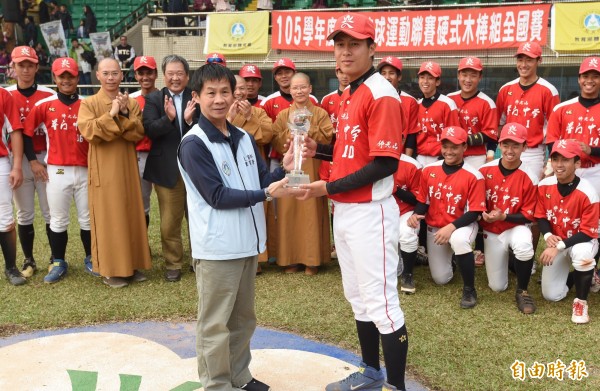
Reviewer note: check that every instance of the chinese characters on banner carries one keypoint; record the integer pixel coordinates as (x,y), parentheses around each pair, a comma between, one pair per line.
(452,29)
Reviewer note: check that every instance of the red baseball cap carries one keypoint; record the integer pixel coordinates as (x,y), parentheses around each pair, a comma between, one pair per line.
(284,63)
(513,131)
(530,49)
(250,70)
(590,64)
(24,53)
(454,134)
(390,60)
(216,58)
(356,25)
(144,62)
(433,68)
(64,64)
(567,148)
(470,63)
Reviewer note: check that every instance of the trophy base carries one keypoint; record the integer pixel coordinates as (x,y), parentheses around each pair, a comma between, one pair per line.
(296,179)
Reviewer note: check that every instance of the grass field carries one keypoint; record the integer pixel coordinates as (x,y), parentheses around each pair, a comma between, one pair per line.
(449,348)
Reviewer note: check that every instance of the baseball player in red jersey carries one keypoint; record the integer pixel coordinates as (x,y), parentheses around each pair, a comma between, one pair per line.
(251,73)
(451,198)
(528,100)
(407,181)
(145,74)
(67,154)
(476,113)
(10,179)
(391,68)
(366,217)
(511,194)
(577,119)
(436,111)
(26,93)
(567,214)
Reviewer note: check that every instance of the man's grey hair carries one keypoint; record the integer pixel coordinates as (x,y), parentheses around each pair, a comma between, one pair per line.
(175,58)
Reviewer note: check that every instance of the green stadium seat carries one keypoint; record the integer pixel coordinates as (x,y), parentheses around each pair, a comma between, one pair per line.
(368,3)
(302,4)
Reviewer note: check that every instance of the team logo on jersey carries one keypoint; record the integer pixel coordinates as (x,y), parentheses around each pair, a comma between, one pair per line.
(569,112)
(52,109)
(432,174)
(226,168)
(275,106)
(509,93)
(60,171)
(331,102)
(347,22)
(547,195)
(490,176)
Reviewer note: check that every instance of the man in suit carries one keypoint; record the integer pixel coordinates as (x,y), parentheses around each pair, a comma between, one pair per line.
(168,115)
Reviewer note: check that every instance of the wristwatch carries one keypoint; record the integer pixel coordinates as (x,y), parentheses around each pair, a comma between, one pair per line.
(268,196)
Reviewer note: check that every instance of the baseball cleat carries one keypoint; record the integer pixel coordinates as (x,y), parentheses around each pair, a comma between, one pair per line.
(58,271)
(14,276)
(595,282)
(469,298)
(388,387)
(580,312)
(479,258)
(422,257)
(29,267)
(87,263)
(366,378)
(525,302)
(407,284)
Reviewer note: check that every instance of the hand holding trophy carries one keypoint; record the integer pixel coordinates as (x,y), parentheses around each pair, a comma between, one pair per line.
(299,124)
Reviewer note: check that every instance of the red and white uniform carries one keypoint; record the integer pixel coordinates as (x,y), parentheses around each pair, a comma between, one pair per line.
(366,220)
(331,104)
(431,121)
(66,159)
(143,149)
(577,212)
(571,120)
(449,197)
(408,177)
(515,193)
(410,109)
(9,122)
(259,100)
(530,108)
(24,196)
(476,115)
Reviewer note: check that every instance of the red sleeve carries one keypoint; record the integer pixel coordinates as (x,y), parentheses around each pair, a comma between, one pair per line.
(451,118)
(528,206)
(477,195)
(10,111)
(553,128)
(489,124)
(32,121)
(550,103)
(500,105)
(540,213)
(415,183)
(589,219)
(384,140)
(421,193)
(413,123)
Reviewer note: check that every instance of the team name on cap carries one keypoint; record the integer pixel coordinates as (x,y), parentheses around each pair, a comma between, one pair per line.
(429,65)
(470,61)
(25,51)
(281,62)
(562,144)
(251,69)
(347,22)
(512,130)
(388,59)
(450,131)
(527,47)
(144,60)
(65,64)
(593,62)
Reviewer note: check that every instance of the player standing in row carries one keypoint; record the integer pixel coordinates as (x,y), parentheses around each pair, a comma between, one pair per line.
(25,94)
(451,198)
(511,194)
(567,213)
(145,74)
(391,68)
(436,111)
(10,179)
(528,100)
(56,116)
(366,218)
(251,73)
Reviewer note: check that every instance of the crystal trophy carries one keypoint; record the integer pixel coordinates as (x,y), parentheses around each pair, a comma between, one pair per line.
(299,123)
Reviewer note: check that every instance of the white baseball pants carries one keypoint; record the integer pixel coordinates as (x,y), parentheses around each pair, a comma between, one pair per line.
(24,196)
(146,186)
(67,183)
(7,222)
(440,256)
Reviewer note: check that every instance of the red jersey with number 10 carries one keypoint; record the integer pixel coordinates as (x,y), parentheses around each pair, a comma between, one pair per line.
(367,127)
(515,193)
(9,119)
(144,144)
(577,212)
(571,120)
(66,146)
(450,196)
(530,108)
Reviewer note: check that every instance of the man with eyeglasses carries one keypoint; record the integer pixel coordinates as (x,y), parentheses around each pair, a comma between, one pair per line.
(168,115)
(111,122)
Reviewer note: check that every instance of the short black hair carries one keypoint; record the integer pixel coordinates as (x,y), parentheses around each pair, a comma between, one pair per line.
(211,72)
